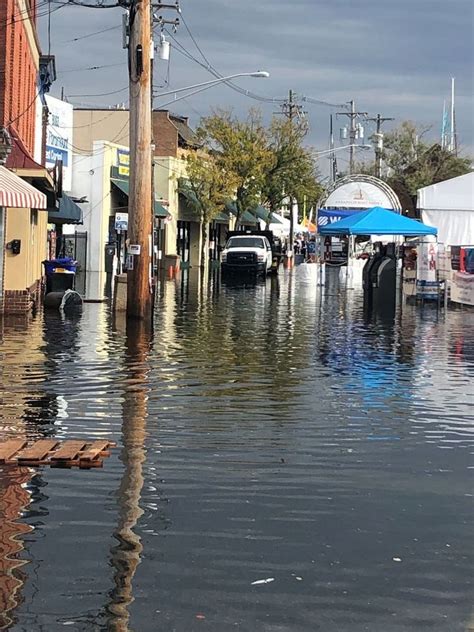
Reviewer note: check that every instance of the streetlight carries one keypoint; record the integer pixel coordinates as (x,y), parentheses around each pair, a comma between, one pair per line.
(209,84)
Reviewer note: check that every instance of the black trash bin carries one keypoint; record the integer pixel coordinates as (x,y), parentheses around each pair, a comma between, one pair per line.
(60,274)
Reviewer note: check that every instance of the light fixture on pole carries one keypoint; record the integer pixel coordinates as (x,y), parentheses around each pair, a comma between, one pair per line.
(212,82)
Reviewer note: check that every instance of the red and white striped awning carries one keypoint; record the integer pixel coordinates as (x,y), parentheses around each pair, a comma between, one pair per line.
(16,193)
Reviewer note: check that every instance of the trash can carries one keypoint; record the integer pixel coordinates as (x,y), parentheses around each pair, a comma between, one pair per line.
(60,274)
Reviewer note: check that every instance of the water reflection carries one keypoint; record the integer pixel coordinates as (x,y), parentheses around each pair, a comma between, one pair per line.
(269,430)
(125,556)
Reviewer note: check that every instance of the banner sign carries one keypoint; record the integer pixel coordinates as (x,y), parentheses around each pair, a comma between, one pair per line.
(123,162)
(427,285)
(327,216)
(462,288)
(59,137)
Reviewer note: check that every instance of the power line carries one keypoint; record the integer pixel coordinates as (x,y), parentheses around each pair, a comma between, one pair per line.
(86,68)
(252,95)
(28,15)
(98,94)
(81,37)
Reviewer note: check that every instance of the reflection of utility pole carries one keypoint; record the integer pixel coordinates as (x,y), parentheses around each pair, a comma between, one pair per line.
(379,142)
(353,116)
(125,556)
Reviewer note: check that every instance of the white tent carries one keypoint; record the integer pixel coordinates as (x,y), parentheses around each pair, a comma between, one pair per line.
(449,206)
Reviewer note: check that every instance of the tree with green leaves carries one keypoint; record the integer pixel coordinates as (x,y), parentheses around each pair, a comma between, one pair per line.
(239,148)
(413,162)
(293,171)
(207,188)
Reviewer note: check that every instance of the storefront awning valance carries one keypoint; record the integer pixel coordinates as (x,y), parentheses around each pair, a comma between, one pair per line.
(124,187)
(67,212)
(266,216)
(247,217)
(16,193)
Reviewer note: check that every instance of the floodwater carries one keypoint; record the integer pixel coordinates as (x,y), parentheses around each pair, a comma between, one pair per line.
(285,463)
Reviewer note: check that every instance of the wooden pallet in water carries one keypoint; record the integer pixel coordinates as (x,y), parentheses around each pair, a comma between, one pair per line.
(71,453)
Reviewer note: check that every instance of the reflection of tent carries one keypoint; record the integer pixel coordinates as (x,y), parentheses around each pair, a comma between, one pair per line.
(449,206)
(378,221)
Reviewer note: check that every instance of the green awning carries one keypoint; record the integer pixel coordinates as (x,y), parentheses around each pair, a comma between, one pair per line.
(222,217)
(247,217)
(160,210)
(124,187)
(67,212)
(265,215)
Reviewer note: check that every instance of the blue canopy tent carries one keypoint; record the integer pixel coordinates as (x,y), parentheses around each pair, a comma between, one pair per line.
(378,221)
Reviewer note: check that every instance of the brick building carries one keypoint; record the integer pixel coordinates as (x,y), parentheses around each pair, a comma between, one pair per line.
(26,187)
(19,66)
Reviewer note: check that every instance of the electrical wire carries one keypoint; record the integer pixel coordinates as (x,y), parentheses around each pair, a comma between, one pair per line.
(99,94)
(27,15)
(86,68)
(27,109)
(81,37)
(49,28)
(248,93)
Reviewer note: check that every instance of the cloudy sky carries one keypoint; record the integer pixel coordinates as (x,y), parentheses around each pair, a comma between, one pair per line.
(392,57)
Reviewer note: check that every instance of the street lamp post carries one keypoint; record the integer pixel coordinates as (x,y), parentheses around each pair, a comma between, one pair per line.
(205,85)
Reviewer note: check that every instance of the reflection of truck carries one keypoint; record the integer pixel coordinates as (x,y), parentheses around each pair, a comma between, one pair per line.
(257,252)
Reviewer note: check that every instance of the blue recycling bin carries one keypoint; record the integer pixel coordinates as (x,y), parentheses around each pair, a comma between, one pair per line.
(60,274)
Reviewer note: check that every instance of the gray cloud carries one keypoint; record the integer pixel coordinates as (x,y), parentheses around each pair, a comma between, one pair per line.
(393,58)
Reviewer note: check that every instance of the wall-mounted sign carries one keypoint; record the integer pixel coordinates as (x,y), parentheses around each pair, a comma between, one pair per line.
(123,162)
(121,221)
(59,137)
(134,249)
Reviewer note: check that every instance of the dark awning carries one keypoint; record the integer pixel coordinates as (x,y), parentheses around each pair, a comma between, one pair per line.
(124,187)
(67,212)
(247,217)
(266,216)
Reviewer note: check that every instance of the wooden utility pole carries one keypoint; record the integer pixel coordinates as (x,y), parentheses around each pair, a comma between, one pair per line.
(353,115)
(140,219)
(379,142)
(291,110)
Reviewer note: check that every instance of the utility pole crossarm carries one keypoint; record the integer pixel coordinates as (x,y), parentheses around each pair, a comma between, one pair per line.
(353,116)
(379,120)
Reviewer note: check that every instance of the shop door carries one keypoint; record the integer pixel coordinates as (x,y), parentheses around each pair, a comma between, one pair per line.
(183,240)
(75,246)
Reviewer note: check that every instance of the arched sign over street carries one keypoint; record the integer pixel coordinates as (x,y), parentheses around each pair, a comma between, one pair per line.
(356,193)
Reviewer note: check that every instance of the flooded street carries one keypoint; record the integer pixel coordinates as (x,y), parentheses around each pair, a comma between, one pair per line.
(284,463)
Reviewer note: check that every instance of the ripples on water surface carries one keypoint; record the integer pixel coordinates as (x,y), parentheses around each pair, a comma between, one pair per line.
(288,437)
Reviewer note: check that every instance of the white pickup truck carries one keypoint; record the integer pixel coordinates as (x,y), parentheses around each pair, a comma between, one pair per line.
(247,253)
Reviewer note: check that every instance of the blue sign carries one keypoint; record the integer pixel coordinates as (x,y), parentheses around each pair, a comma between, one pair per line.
(53,154)
(327,216)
